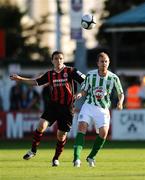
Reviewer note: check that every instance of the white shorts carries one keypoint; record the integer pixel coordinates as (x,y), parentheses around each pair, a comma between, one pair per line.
(100,116)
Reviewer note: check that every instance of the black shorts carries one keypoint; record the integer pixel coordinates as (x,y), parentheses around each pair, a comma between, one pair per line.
(60,113)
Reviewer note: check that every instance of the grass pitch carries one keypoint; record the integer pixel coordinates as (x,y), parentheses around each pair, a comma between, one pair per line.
(116,161)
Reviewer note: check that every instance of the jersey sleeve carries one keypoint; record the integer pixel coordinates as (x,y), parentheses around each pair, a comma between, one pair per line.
(118,85)
(43,79)
(78,76)
(85,84)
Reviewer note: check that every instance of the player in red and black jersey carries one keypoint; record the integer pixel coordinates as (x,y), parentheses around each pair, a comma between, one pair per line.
(62,83)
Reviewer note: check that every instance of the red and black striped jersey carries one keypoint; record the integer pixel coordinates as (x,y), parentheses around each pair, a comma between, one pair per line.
(62,84)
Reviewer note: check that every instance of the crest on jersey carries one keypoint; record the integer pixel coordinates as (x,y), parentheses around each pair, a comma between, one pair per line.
(99,93)
(65,75)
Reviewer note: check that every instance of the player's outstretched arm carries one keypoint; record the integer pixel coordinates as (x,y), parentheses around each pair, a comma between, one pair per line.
(18,78)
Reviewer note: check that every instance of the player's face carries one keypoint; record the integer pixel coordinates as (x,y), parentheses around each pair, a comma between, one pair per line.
(58,61)
(103,63)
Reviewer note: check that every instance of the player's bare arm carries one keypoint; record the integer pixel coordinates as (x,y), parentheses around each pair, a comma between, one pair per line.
(81,94)
(120,101)
(18,78)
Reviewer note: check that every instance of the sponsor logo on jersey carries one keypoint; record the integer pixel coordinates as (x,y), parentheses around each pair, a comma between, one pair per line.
(59,82)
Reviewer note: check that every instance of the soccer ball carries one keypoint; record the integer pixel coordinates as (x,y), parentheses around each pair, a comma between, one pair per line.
(88,21)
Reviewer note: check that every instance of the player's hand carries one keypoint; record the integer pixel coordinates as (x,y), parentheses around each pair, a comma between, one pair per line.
(119,106)
(15,77)
(79,95)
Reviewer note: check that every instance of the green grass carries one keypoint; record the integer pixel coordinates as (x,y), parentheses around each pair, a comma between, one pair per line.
(117,160)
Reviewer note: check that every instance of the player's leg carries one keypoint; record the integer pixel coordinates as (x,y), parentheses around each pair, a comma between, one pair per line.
(61,140)
(98,144)
(84,119)
(102,122)
(79,142)
(64,123)
(42,125)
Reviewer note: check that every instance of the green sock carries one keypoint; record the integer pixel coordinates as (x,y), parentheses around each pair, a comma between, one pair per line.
(79,143)
(98,144)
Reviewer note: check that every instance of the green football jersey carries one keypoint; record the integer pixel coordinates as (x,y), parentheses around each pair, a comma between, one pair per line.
(99,88)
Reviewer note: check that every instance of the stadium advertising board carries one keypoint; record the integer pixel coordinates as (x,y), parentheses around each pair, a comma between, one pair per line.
(2,124)
(17,125)
(128,125)
(2,43)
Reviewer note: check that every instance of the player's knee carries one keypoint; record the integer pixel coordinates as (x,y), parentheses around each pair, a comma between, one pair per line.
(82,127)
(61,136)
(103,134)
(40,129)
(42,125)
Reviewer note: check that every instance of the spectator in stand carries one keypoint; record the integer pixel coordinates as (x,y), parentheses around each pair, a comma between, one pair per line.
(46,96)
(1,103)
(142,93)
(29,99)
(132,98)
(23,98)
(15,97)
(33,99)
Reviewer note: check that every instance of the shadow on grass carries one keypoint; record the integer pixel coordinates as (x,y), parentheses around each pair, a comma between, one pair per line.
(26,144)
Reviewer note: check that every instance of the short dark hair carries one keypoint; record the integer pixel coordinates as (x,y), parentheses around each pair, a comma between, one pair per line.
(56,53)
(102,54)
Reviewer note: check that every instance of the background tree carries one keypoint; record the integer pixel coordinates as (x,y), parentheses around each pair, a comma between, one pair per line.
(129,43)
(112,8)
(19,43)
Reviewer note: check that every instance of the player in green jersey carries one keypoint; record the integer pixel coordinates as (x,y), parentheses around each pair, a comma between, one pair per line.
(97,89)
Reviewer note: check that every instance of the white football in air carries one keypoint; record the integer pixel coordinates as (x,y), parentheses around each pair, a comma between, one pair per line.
(88,21)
